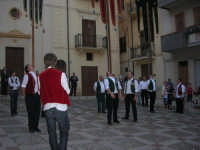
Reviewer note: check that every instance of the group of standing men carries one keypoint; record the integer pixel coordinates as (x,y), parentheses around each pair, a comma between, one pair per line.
(109,91)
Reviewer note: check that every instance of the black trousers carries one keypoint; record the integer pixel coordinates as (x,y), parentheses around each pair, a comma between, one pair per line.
(33,106)
(13,102)
(179,105)
(101,102)
(112,106)
(54,116)
(144,96)
(170,99)
(73,91)
(129,100)
(152,100)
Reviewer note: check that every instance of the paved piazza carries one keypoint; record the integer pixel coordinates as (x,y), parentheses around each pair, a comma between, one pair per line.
(164,130)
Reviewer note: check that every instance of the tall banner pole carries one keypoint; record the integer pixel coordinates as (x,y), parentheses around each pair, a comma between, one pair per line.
(33,33)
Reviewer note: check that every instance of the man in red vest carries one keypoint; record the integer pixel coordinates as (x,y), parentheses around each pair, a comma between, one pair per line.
(54,90)
(32,98)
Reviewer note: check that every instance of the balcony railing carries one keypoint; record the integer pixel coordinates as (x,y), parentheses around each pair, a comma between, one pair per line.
(131,8)
(137,53)
(90,41)
(183,39)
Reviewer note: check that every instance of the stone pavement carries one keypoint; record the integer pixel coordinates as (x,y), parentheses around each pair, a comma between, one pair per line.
(164,130)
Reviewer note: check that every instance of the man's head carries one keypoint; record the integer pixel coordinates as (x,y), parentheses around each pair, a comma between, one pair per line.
(74,74)
(107,74)
(169,80)
(50,59)
(179,80)
(144,78)
(28,68)
(130,75)
(61,65)
(150,77)
(13,73)
(101,78)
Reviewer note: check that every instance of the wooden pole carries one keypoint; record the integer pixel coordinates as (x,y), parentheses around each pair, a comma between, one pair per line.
(108,34)
(33,33)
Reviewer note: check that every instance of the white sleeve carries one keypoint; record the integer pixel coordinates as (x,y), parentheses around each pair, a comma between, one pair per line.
(25,81)
(64,83)
(119,85)
(136,86)
(18,82)
(95,86)
(9,82)
(106,82)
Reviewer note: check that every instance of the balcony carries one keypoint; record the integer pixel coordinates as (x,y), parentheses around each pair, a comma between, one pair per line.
(188,38)
(131,8)
(138,53)
(90,42)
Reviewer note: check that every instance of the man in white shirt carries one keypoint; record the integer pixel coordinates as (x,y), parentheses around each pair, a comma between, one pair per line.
(99,88)
(113,89)
(152,92)
(180,93)
(130,91)
(144,94)
(14,85)
(32,98)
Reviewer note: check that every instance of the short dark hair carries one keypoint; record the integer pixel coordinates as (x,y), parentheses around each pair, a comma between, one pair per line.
(61,65)
(50,60)
(180,79)
(26,68)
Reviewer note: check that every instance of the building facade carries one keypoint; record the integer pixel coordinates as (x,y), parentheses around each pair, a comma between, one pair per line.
(180,38)
(88,55)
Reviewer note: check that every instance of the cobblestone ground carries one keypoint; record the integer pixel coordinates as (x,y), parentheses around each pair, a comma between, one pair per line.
(163,130)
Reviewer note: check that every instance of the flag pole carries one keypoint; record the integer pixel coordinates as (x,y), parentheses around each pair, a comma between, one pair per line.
(33,33)
(108,39)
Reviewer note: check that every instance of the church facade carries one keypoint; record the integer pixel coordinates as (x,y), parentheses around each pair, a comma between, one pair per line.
(87,55)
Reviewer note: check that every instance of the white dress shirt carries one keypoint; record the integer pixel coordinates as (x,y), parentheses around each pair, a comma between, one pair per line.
(58,106)
(106,82)
(102,86)
(143,85)
(154,85)
(128,86)
(15,85)
(183,90)
(25,81)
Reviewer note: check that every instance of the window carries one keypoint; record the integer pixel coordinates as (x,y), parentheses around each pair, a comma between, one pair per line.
(122,4)
(180,22)
(89,56)
(122,44)
(15,13)
(197,15)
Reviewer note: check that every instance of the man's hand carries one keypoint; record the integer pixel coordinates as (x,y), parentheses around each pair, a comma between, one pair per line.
(112,95)
(120,94)
(135,98)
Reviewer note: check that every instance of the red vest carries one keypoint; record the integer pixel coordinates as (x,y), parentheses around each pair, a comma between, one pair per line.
(51,90)
(30,85)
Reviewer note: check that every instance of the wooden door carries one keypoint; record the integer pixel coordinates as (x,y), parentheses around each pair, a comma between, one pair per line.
(15,60)
(89,33)
(183,71)
(89,76)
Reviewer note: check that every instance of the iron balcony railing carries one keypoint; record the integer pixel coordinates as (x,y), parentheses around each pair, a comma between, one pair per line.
(139,52)
(131,8)
(90,41)
(183,39)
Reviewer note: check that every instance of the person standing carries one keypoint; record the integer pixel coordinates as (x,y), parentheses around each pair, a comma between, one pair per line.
(130,91)
(113,89)
(54,90)
(144,94)
(32,98)
(74,80)
(14,85)
(170,91)
(165,95)
(152,92)
(99,88)
(180,93)
(189,92)
(4,81)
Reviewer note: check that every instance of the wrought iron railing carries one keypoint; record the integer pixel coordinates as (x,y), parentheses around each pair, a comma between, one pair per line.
(90,41)
(139,52)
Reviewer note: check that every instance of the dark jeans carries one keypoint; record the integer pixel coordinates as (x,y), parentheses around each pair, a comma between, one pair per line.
(54,116)
(33,106)
(144,96)
(101,103)
(112,106)
(179,105)
(189,98)
(152,100)
(170,99)
(73,91)
(129,99)
(13,102)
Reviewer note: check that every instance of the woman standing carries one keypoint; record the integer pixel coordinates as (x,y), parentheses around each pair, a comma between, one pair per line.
(14,85)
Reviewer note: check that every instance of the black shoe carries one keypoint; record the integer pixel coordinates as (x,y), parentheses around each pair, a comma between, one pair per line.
(31,131)
(135,120)
(109,123)
(103,112)
(37,130)
(152,111)
(125,118)
(117,121)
